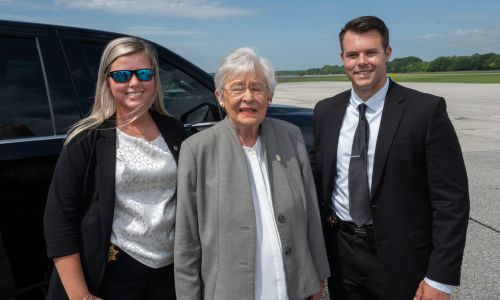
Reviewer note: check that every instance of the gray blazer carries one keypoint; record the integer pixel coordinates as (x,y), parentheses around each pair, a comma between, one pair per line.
(214,253)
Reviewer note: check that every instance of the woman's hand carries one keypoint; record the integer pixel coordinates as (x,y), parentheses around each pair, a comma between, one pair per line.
(318,295)
(71,274)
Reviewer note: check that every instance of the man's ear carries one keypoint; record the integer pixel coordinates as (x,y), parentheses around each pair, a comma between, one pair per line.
(388,53)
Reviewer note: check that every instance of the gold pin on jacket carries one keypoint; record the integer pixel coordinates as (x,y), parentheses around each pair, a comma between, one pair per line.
(112,252)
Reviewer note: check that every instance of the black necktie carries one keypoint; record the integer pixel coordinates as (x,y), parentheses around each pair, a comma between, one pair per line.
(359,195)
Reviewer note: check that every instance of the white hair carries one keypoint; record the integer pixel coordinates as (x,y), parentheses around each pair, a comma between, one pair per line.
(241,62)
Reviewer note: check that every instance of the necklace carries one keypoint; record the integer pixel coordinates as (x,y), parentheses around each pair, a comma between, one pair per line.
(143,133)
(135,131)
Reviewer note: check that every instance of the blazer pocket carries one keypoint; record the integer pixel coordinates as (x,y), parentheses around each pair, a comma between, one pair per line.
(421,238)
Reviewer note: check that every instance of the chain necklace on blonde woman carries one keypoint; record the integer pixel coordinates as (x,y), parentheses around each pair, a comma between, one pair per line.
(136,131)
(143,133)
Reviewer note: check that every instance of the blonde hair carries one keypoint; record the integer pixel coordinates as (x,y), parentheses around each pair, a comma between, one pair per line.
(104,103)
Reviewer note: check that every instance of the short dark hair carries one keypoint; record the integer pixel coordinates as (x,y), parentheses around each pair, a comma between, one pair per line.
(364,24)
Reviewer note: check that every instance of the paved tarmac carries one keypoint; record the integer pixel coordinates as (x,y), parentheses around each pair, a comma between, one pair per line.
(475,113)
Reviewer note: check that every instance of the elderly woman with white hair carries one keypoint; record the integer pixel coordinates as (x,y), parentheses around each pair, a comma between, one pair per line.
(247,224)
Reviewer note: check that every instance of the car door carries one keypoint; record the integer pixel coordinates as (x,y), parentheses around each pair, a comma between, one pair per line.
(37,106)
(48,75)
(188,93)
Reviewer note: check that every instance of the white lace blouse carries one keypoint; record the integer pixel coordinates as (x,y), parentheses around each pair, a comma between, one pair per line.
(144,215)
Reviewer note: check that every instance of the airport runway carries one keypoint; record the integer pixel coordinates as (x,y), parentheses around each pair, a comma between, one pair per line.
(475,113)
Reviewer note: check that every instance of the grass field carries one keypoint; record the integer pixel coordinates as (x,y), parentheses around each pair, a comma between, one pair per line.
(449,77)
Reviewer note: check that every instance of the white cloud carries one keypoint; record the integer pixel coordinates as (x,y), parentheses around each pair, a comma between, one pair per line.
(474,33)
(460,42)
(197,9)
(430,36)
(23,18)
(471,17)
(160,31)
(462,32)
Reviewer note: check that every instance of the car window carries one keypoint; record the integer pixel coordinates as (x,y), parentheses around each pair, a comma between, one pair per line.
(24,109)
(65,111)
(92,56)
(85,72)
(186,98)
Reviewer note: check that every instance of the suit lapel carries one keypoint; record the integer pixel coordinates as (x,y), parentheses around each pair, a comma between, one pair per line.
(168,134)
(106,165)
(233,176)
(332,129)
(271,152)
(391,116)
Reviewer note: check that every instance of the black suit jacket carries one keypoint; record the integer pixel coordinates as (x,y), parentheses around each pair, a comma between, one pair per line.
(420,201)
(81,199)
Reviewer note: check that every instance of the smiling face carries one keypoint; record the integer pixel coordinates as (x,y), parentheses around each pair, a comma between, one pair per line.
(245,100)
(365,61)
(131,95)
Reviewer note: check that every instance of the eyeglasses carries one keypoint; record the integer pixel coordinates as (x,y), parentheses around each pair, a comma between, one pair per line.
(239,89)
(123,76)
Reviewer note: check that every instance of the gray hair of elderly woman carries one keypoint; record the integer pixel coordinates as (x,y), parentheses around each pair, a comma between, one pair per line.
(242,62)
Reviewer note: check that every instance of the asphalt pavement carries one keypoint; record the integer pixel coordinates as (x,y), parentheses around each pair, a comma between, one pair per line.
(475,112)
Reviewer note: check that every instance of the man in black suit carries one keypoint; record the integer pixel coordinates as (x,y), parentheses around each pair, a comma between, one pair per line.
(391,180)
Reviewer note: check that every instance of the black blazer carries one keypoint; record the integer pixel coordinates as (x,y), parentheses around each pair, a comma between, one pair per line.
(420,199)
(81,199)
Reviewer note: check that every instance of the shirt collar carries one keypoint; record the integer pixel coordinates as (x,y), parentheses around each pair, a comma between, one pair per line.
(375,102)
(256,147)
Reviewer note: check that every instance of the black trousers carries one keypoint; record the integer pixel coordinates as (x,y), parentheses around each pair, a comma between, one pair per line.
(357,273)
(128,279)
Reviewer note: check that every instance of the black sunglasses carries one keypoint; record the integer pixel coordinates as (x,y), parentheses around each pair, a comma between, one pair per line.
(122,76)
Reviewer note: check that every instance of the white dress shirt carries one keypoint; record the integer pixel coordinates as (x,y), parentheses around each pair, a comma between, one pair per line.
(340,195)
(373,114)
(270,280)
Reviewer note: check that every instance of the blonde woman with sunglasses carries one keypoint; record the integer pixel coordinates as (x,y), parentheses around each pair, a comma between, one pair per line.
(109,219)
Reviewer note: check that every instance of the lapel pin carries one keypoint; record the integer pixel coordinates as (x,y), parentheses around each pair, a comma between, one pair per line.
(176,148)
(112,252)
(278,157)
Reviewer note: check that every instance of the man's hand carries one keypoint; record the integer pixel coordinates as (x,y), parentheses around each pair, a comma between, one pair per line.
(427,292)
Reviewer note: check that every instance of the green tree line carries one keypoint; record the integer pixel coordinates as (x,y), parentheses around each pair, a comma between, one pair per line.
(476,62)
(325,70)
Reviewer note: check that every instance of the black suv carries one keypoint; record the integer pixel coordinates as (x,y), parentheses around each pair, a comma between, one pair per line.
(48,75)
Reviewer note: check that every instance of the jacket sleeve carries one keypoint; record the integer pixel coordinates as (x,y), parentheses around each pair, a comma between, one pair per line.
(449,196)
(187,248)
(314,228)
(64,201)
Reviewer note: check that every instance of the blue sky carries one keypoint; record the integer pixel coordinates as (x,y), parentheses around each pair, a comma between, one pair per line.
(292,34)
